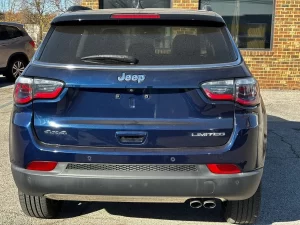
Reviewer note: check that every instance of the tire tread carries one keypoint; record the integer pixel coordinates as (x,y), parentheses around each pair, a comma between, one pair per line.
(243,211)
(39,207)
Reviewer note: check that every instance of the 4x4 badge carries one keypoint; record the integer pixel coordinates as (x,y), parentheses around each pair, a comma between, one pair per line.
(135,78)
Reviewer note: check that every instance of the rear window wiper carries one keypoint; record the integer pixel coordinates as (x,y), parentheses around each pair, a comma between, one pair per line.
(110,59)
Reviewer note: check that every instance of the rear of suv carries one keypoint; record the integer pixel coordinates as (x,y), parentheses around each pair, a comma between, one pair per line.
(16,49)
(138,105)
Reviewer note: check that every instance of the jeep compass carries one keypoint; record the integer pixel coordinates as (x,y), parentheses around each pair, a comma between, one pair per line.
(138,105)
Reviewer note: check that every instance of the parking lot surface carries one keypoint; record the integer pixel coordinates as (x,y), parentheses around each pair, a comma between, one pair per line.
(281,180)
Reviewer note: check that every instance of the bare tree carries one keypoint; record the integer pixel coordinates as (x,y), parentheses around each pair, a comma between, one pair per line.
(37,12)
(8,8)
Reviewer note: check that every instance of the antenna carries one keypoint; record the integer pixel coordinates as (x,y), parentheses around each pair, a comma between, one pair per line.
(207,8)
(137,4)
(77,8)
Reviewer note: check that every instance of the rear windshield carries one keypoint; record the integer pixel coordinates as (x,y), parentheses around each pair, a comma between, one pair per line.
(150,45)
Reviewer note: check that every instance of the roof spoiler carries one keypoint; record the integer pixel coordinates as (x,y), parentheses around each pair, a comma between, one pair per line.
(76,8)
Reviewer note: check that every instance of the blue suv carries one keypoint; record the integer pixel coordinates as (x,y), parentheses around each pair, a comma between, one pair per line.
(138,105)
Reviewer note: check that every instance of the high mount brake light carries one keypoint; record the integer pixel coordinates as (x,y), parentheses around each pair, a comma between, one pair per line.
(135,16)
(244,91)
(28,89)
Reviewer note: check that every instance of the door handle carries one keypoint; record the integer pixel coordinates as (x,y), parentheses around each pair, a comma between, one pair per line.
(131,137)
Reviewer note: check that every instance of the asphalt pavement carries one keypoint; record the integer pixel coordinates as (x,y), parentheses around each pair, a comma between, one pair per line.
(281,179)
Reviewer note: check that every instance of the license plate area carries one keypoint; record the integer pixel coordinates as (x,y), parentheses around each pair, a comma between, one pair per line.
(152,103)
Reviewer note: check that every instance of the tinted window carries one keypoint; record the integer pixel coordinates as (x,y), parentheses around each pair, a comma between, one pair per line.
(3,33)
(151,45)
(250,22)
(13,32)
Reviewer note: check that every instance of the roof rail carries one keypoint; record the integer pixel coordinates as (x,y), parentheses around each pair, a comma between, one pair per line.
(207,8)
(77,8)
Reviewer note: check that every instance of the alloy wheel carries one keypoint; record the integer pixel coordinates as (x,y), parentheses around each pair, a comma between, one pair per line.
(18,68)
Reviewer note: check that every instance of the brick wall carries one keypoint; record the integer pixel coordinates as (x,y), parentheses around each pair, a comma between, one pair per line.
(186,4)
(278,68)
(94,4)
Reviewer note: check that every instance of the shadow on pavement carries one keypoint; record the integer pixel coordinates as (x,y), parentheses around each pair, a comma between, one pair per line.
(4,82)
(281,184)
(163,211)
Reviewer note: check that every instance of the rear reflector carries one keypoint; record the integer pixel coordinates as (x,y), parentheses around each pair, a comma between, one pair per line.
(135,16)
(28,89)
(223,168)
(41,166)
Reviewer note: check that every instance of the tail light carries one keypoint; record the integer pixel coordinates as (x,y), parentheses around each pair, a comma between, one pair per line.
(219,90)
(41,165)
(23,90)
(32,43)
(244,91)
(247,92)
(28,89)
(135,16)
(224,168)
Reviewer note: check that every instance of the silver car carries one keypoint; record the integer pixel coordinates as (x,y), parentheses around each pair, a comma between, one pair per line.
(16,49)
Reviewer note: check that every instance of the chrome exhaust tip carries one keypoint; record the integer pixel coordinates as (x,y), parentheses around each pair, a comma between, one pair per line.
(195,204)
(209,204)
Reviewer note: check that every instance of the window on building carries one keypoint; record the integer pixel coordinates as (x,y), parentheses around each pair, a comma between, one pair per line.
(249,21)
(108,4)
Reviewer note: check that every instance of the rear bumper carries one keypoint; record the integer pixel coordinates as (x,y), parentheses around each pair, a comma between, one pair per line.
(63,184)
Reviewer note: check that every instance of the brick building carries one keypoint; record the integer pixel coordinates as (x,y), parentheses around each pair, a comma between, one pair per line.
(266,31)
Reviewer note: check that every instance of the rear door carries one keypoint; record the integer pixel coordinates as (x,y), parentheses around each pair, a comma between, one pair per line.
(4,43)
(154,103)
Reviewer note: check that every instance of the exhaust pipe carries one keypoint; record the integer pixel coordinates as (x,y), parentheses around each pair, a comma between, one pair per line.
(195,204)
(209,204)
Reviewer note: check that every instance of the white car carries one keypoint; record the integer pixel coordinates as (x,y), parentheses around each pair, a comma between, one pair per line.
(16,49)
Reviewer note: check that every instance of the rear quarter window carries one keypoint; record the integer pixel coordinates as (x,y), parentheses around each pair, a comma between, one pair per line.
(150,45)
(13,32)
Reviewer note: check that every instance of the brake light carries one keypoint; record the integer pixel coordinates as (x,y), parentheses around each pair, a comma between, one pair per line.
(28,89)
(244,91)
(47,89)
(135,16)
(247,92)
(32,43)
(23,90)
(223,168)
(219,90)
(41,165)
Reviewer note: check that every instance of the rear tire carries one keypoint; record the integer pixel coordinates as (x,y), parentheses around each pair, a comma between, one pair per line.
(15,68)
(243,211)
(39,207)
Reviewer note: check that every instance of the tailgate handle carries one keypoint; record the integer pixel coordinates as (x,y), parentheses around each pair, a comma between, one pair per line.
(131,137)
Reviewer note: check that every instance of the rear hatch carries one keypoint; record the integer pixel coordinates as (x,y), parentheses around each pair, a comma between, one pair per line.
(134,85)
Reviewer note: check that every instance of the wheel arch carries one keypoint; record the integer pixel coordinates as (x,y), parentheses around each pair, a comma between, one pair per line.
(18,55)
